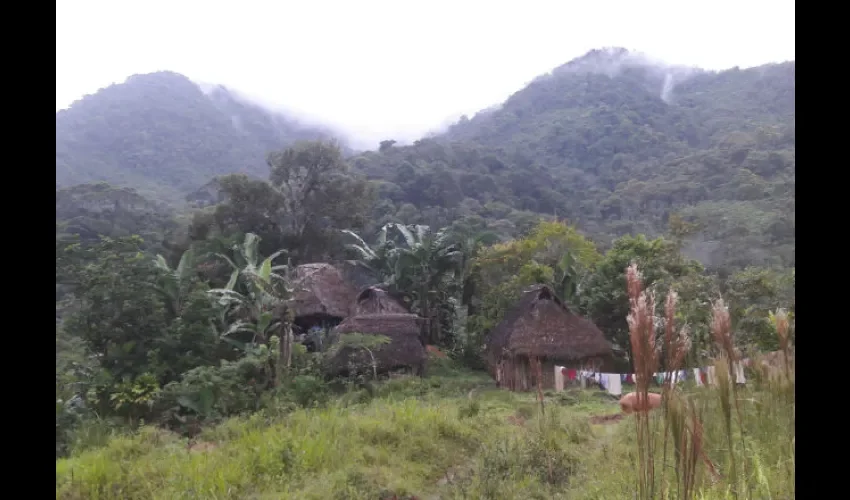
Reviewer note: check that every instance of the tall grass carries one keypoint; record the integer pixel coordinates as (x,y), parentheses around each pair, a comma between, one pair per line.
(496,445)
(742,428)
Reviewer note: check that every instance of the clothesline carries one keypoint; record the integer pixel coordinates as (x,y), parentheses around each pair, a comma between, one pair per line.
(613,382)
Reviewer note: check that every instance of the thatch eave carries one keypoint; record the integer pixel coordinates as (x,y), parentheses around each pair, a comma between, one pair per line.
(321,291)
(541,325)
(404,350)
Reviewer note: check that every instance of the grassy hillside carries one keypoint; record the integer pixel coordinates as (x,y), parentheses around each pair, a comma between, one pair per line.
(451,435)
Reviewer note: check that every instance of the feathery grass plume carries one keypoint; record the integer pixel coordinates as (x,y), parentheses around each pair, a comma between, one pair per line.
(675,348)
(784,393)
(641,320)
(687,433)
(781,321)
(642,336)
(725,396)
(721,329)
(669,319)
(667,385)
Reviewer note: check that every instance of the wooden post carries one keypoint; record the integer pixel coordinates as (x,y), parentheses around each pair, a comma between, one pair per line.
(538,371)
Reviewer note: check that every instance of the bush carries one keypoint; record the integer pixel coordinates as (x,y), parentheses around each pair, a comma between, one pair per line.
(308,390)
(207,394)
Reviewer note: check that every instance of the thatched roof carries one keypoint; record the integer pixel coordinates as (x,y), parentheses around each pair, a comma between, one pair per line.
(322,290)
(404,350)
(541,325)
(373,300)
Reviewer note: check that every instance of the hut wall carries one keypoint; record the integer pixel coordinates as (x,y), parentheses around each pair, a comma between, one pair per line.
(518,374)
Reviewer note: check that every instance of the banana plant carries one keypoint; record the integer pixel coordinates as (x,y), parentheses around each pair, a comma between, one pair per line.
(426,265)
(254,292)
(175,282)
(378,259)
(566,278)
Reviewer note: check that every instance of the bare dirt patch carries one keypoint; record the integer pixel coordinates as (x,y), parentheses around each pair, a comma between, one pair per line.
(606,419)
(516,420)
(202,446)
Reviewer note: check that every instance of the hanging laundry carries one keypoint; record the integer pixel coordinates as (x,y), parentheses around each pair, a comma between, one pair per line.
(739,374)
(712,380)
(571,374)
(559,378)
(623,377)
(614,384)
(659,377)
(683,375)
(673,377)
(703,376)
(698,377)
(603,380)
(630,378)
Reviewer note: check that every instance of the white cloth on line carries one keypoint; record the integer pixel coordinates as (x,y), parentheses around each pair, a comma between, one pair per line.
(712,380)
(739,374)
(614,385)
(559,378)
(698,377)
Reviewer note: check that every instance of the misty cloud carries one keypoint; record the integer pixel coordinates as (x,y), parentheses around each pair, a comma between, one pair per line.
(378,71)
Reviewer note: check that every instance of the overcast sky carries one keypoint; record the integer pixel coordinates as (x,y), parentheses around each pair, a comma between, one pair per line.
(396,68)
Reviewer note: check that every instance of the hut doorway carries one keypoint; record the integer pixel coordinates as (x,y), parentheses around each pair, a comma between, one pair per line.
(314,330)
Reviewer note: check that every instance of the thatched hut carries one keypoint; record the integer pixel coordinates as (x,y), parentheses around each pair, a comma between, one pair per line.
(541,326)
(373,300)
(322,297)
(405,351)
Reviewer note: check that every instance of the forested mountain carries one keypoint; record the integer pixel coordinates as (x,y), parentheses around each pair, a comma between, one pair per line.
(163,135)
(617,144)
(611,141)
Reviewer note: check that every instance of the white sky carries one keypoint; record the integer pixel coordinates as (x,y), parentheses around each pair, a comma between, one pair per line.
(383,69)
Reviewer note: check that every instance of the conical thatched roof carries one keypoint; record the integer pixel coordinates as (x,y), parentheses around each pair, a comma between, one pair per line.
(404,350)
(321,289)
(541,325)
(373,300)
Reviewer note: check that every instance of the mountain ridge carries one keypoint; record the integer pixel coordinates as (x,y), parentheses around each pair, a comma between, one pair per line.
(609,140)
(159,132)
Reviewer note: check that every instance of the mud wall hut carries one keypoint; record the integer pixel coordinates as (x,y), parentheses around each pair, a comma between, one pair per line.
(540,326)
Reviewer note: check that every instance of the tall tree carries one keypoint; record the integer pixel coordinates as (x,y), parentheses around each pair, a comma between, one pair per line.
(318,195)
(311,194)
(605,298)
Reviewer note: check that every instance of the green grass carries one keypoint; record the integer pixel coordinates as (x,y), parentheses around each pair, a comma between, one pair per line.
(451,435)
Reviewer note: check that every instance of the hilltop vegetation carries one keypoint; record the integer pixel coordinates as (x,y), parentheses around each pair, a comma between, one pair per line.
(594,143)
(161,134)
